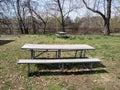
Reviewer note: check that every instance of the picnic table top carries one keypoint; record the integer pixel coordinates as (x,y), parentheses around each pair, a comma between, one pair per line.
(58,47)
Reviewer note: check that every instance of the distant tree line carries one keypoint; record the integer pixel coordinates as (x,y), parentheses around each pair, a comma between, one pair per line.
(42,16)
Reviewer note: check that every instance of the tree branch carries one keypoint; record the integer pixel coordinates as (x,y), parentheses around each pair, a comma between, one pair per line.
(93,10)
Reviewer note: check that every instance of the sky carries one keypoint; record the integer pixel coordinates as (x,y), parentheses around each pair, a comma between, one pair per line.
(82,12)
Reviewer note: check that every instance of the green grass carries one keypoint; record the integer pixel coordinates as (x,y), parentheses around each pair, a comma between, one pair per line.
(105,76)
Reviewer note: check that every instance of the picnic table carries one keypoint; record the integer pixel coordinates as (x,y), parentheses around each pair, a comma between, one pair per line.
(58,48)
(62,34)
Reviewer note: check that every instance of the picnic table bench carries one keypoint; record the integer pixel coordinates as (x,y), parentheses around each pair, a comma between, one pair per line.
(58,48)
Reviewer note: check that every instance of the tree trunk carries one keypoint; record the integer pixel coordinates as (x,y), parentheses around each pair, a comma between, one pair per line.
(39,17)
(31,12)
(25,29)
(21,22)
(19,17)
(44,28)
(33,25)
(106,27)
(62,17)
(63,24)
(20,26)
(106,17)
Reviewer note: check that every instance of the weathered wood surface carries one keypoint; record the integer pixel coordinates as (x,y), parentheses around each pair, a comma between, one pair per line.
(48,61)
(57,47)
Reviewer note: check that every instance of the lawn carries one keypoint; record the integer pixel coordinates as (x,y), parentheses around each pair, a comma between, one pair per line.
(105,75)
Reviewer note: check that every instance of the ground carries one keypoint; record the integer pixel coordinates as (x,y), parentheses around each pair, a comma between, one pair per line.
(105,75)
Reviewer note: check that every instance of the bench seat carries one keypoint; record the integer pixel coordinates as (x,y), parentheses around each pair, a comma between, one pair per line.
(50,61)
(58,61)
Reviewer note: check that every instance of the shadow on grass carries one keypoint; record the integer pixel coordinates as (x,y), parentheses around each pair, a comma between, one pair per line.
(68,72)
(2,42)
(66,66)
(70,69)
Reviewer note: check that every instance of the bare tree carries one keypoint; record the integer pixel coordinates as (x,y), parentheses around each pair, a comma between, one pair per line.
(61,13)
(19,16)
(106,16)
(64,8)
(32,17)
(33,6)
(5,22)
(21,20)
(43,21)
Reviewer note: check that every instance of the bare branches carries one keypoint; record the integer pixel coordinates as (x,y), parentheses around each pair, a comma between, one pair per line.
(93,10)
(106,18)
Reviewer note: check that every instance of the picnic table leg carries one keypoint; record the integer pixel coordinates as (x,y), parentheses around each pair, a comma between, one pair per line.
(59,56)
(28,69)
(62,68)
(91,66)
(81,52)
(32,57)
(88,66)
(56,54)
(84,53)
(32,54)
(76,53)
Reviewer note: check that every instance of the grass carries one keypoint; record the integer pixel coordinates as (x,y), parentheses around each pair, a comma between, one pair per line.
(105,76)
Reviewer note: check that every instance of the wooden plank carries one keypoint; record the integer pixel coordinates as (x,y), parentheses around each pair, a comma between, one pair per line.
(46,61)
